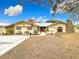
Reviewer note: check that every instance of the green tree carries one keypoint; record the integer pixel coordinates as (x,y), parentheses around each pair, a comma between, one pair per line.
(10,31)
(54,21)
(71,7)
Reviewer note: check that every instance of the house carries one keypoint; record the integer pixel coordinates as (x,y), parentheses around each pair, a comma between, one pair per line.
(26,27)
(2,28)
(21,27)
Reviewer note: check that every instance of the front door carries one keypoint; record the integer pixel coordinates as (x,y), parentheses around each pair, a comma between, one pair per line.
(42,29)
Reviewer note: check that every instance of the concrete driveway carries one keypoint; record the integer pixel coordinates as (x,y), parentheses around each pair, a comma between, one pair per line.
(45,47)
(9,42)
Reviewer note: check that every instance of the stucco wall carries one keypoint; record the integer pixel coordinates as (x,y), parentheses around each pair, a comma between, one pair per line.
(23,29)
(54,27)
(2,30)
(76,29)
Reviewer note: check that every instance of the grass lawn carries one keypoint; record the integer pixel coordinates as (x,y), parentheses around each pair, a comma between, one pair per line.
(46,47)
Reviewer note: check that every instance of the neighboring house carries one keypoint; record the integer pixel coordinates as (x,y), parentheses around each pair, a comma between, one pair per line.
(26,27)
(2,28)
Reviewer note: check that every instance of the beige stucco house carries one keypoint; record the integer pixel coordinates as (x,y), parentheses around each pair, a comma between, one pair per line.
(52,27)
(2,28)
(25,27)
(28,27)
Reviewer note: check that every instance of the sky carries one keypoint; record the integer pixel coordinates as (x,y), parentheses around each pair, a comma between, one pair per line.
(11,12)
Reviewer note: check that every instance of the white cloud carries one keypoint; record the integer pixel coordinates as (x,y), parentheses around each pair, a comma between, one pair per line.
(33,18)
(13,11)
(42,19)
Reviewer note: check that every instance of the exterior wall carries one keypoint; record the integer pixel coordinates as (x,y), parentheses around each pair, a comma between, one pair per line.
(23,26)
(10,29)
(55,27)
(52,28)
(2,30)
(76,30)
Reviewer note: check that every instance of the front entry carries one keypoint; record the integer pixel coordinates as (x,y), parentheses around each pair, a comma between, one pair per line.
(42,29)
(59,29)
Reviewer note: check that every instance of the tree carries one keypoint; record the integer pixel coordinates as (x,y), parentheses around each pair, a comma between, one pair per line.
(54,21)
(10,31)
(70,26)
(71,7)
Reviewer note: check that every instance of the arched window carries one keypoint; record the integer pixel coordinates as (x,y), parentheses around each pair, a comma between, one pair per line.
(59,29)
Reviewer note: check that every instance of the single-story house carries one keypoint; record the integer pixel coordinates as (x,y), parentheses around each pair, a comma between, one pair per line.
(2,28)
(26,27)
(52,27)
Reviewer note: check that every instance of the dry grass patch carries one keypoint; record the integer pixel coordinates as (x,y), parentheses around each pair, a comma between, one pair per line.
(72,36)
(46,47)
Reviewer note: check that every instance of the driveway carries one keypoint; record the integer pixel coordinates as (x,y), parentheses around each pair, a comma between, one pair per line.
(45,47)
(9,42)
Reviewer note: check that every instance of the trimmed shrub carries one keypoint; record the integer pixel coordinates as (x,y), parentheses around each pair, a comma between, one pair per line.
(26,32)
(36,31)
(46,30)
(19,33)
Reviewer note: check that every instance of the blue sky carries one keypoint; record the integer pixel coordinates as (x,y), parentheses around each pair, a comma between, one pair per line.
(29,11)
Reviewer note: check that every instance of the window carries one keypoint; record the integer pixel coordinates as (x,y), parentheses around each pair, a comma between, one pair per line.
(29,27)
(18,28)
(60,29)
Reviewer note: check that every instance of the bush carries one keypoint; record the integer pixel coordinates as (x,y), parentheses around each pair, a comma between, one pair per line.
(46,30)
(19,33)
(10,31)
(26,32)
(36,31)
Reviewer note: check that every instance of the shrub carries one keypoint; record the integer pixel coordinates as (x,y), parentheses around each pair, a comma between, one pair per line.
(19,33)
(46,30)
(36,31)
(26,32)
(10,31)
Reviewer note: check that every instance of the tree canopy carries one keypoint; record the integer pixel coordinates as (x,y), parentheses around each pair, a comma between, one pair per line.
(54,21)
(71,7)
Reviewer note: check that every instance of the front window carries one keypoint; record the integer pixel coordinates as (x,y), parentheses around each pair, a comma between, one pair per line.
(29,27)
(18,28)
(59,29)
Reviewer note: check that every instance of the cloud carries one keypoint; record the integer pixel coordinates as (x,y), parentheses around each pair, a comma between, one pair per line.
(13,11)
(33,18)
(42,19)
(51,11)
